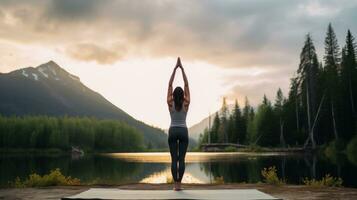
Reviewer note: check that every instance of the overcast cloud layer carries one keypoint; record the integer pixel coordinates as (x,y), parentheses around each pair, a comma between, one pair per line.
(226,33)
(263,36)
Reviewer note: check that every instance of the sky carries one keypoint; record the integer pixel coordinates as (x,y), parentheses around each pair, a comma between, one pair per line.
(126,49)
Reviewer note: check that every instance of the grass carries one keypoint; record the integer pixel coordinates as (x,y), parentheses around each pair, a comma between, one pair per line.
(327,181)
(54,178)
(271,177)
(169,180)
(219,180)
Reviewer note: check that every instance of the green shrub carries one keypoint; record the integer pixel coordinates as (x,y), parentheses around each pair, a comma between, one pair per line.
(230,149)
(54,178)
(351,150)
(327,181)
(334,147)
(169,180)
(271,177)
(219,180)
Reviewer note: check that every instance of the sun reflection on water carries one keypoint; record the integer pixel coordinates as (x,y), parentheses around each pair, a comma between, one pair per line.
(166,177)
(193,172)
(191,157)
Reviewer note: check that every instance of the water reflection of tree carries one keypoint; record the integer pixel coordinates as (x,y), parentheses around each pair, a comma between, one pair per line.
(293,168)
(88,169)
(23,165)
(244,170)
(111,170)
(249,169)
(115,171)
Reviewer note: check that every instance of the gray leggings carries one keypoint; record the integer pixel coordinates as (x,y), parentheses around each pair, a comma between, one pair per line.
(178,142)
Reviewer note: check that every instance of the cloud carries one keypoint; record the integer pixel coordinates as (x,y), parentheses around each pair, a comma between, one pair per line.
(253,45)
(93,52)
(229,34)
(226,33)
(256,82)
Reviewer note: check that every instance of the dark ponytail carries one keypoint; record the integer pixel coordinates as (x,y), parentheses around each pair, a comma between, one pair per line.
(178,98)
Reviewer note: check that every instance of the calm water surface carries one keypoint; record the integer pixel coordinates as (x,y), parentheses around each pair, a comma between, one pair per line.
(118,168)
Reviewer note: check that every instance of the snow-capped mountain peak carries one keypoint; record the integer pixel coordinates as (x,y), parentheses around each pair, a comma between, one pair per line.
(46,71)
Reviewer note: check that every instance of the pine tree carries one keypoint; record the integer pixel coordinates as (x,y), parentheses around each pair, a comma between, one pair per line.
(265,100)
(224,109)
(332,50)
(331,71)
(349,70)
(348,83)
(222,133)
(265,130)
(295,100)
(248,114)
(279,108)
(239,123)
(306,83)
(215,128)
(246,108)
(231,130)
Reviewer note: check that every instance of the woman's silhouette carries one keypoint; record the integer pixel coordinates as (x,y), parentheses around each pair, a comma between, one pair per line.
(178,102)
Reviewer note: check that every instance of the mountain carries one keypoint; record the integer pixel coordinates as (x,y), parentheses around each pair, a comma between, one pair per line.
(50,90)
(197,129)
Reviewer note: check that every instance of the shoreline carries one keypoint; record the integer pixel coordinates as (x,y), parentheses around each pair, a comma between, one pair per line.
(282,191)
(243,150)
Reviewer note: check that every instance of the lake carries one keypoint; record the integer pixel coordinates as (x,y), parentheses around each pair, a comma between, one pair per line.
(120,168)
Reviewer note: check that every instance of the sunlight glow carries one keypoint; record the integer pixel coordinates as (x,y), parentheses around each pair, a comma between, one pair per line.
(191,157)
(166,177)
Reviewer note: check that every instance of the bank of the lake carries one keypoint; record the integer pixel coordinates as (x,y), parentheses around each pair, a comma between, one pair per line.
(286,192)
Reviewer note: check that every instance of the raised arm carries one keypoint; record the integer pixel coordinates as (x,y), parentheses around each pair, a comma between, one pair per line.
(169,91)
(186,89)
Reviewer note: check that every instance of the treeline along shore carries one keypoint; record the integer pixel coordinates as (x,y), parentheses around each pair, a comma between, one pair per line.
(320,110)
(63,133)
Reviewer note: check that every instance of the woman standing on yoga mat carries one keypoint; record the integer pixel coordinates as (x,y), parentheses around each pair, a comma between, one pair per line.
(178,102)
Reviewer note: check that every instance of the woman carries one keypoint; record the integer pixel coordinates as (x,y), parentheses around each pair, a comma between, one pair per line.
(178,103)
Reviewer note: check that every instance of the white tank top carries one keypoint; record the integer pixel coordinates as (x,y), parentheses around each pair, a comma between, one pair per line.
(178,118)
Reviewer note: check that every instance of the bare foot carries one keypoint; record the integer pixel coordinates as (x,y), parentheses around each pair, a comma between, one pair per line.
(179,186)
(175,186)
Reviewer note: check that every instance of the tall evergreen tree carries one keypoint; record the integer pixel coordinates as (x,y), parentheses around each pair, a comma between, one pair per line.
(349,70)
(295,100)
(266,100)
(231,130)
(222,132)
(215,128)
(331,69)
(246,118)
(349,85)
(306,77)
(332,55)
(279,109)
(239,122)
(265,131)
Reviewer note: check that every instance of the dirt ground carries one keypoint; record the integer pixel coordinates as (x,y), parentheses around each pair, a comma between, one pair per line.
(286,192)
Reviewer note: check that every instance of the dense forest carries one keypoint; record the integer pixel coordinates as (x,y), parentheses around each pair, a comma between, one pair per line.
(90,134)
(320,109)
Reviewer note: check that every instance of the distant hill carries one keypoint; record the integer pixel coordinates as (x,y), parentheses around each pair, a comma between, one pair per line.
(50,90)
(197,129)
